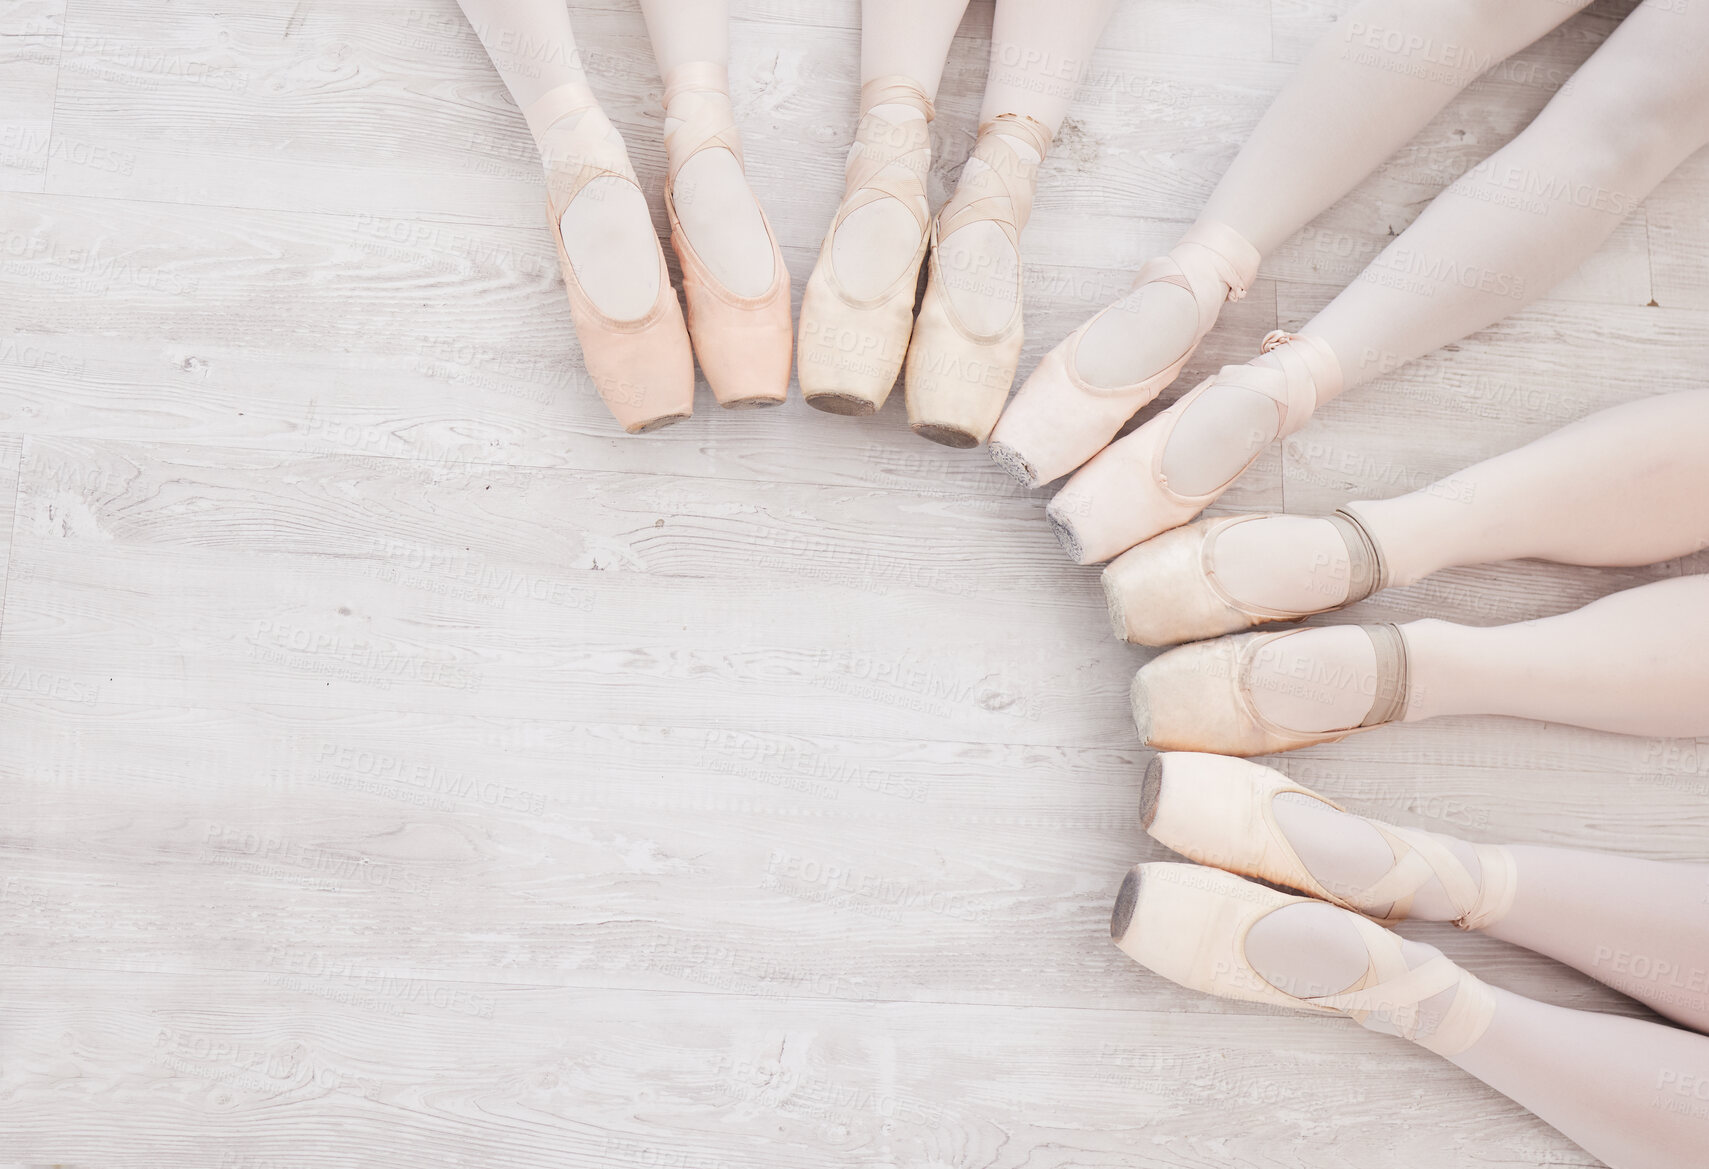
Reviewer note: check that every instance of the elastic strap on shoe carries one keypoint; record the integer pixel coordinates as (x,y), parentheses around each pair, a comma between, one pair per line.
(1367,570)
(1388,704)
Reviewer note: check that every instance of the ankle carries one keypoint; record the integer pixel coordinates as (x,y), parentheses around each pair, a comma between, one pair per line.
(697,95)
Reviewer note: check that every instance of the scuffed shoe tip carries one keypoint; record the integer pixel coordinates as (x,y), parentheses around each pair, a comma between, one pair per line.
(751,403)
(1012,461)
(1121,917)
(1065,535)
(1139,699)
(1113,602)
(653,424)
(1150,790)
(950,436)
(849,405)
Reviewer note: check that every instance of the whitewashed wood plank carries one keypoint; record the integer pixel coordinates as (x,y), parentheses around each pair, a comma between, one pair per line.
(29,66)
(342,1065)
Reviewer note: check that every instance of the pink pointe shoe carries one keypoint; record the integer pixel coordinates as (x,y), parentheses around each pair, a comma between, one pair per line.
(744,342)
(1058,419)
(643,368)
(1123,496)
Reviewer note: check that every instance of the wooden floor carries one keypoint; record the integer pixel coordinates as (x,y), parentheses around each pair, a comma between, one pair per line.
(404,769)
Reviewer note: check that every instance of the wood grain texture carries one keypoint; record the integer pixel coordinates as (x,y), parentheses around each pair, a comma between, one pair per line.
(404,769)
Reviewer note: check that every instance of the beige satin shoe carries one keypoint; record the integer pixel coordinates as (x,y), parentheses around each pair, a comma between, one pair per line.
(1165,591)
(1190,924)
(1220,811)
(1199,697)
(1122,496)
(744,343)
(957,379)
(1058,419)
(643,368)
(850,349)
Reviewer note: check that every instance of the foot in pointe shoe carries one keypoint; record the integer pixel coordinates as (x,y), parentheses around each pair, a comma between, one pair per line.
(1230,573)
(633,339)
(1214,932)
(961,361)
(1249,819)
(1112,366)
(735,283)
(1176,465)
(857,311)
(1256,693)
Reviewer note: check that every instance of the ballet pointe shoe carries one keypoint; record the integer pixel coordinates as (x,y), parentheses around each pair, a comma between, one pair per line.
(958,378)
(850,349)
(1165,591)
(1058,419)
(643,368)
(1122,496)
(1199,697)
(744,343)
(1220,811)
(1190,924)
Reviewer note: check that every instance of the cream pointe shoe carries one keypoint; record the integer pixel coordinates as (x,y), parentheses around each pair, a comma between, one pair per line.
(957,378)
(1165,591)
(1221,811)
(1059,419)
(1199,697)
(744,342)
(1191,925)
(643,368)
(1122,496)
(851,349)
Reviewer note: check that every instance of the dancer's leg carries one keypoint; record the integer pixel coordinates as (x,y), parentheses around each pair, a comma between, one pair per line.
(968,336)
(633,339)
(1367,87)
(608,231)
(1637,925)
(1494,241)
(1635,1094)
(733,274)
(1640,926)
(1621,1088)
(898,38)
(718,212)
(1528,215)
(1631,662)
(858,308)
(1627,485)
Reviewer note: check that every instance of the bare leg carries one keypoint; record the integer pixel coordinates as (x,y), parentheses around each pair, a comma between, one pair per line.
(1624,486)
(1492,243)
(1386,69)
